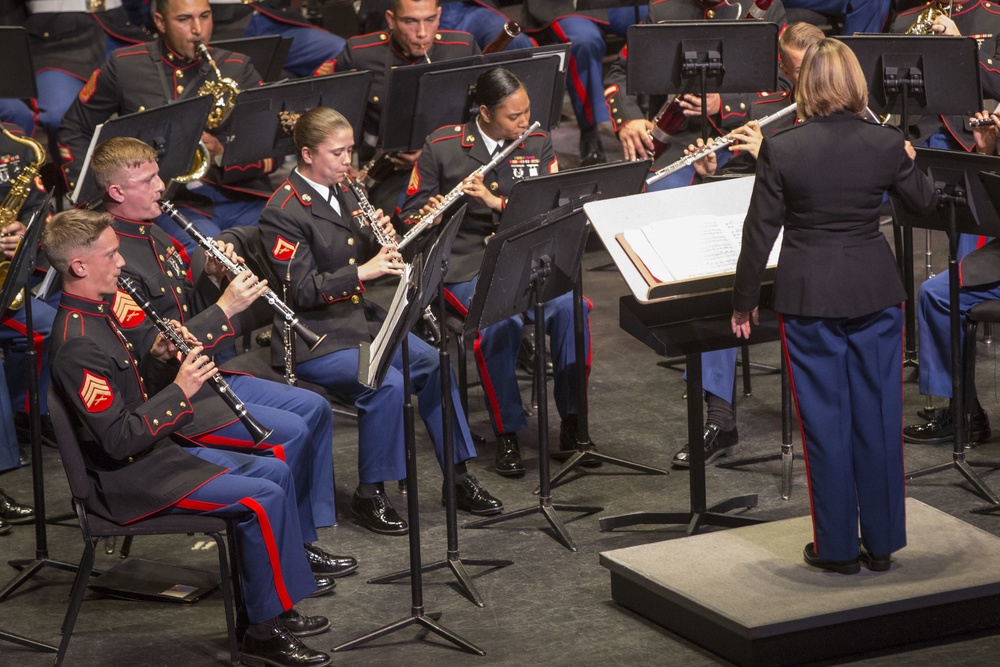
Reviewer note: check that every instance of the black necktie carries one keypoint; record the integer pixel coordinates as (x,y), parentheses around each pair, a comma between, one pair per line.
(335,201)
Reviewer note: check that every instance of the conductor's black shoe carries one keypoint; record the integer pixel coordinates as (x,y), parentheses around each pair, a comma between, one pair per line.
(852,566)
(591,150)
(470,496)
(876,562)
(324,586)
(301,625)
(377,514)
(717,443)
(941,429)
(569,445)
(4,527)
(13,512)
(508,460)
(321,562)
(280,649)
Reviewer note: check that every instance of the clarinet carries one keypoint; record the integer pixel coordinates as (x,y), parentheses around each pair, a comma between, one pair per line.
(218,383)
(311,338)
(423,222)
(727,140)
(287,335)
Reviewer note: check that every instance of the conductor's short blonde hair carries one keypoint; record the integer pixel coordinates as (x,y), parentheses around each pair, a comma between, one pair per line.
(830,81)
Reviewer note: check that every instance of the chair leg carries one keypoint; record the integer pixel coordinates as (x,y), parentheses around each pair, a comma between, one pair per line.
(238,602)
(126,546)
(227,597)
(76,597)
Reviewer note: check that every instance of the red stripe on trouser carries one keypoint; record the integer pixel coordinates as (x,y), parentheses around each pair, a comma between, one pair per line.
(38,342)
(574,75)
(491,393)
(267,534)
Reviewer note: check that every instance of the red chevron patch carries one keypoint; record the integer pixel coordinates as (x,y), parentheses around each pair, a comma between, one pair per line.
(95,392)
(282,249)
(127,311)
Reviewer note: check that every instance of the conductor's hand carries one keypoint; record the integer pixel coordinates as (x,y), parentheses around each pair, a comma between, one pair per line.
(12,234)
(691,104)
(747,138)
(215,269)
(475,187)
(910,150)
(195,369)
(243,290)
(741,323)
(943,25)
(636,142)
(388,262)
(707,165)
(986,136)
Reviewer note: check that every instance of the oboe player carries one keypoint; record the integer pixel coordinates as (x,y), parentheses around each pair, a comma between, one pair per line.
(125,170)
(449,156)
(336,256)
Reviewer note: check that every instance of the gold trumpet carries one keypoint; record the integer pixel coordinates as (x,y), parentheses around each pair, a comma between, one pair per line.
(925,19)
(20,188)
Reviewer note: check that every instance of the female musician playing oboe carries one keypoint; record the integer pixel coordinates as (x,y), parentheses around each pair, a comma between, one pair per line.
(449,156)
(311,231)
(838,295)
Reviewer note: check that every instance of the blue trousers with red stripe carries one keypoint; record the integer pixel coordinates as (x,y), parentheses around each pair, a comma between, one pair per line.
(859,15)
(9,454)
(258,493)
(14,343)
(303,438)
(381,453)
(311,47)
(847,381)
(585,82)
(496,356)
(483,23)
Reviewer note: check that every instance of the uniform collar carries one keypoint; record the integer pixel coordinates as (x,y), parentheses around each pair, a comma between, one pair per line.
(132,227)
(85,306)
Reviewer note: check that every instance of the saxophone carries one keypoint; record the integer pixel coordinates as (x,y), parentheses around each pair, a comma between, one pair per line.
(922,26)
(223,90)
(20,188)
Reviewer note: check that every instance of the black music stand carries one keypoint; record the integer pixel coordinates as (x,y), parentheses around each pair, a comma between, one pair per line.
(917,75)
(526,266)
(173,131)
(967,209)
(18,80)
(418,616)
(690,57)
(541,194)
(18,276)
(267,53)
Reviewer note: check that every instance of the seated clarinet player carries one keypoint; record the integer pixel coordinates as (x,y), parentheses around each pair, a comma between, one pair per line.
(127,174)
(448,158)
(139,464)
(312,232)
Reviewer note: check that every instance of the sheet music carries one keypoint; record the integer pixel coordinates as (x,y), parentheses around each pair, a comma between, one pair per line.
(85,169)
(371,355)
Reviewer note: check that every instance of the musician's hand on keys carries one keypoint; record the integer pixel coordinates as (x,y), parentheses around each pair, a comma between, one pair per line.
(242,291)
(432,205)
(388,262)
(740,323)
(943,25)
(985,136)
(185,334)
(747,138)
(691,104)
(12,234)
(635,139)
(385,223)
(707,165)
(475,187)
(162,348)
(195,369)
(215,269)
(214,146)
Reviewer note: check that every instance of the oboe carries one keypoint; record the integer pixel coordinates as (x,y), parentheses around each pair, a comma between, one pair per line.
(218,383)
(287,335)
(727,140)
(311,339)
(423,222)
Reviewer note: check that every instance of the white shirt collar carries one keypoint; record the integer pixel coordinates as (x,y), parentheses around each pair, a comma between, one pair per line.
(490,144)
(322,190)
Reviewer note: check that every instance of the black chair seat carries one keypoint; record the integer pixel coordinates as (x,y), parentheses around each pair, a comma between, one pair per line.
(987,311)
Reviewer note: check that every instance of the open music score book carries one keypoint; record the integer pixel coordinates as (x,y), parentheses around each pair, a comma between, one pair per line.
(374,357)
(692,253)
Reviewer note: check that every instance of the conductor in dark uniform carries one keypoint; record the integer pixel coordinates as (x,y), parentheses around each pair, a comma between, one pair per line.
(838,294)
(139,467)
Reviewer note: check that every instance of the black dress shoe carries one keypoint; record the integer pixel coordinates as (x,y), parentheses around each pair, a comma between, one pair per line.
(568,444)
(301,625)
(508,459)
(852,566)
(470,496)
(941,429)
(591,150)
(377,514)
(13,512)
(717,443)
(324,586)
(321,562)
(876,562)
(4,527)
(279,649)
(526,356)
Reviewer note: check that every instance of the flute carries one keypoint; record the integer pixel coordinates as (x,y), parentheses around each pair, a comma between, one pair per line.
(727,140)
(218,383)
(311,338)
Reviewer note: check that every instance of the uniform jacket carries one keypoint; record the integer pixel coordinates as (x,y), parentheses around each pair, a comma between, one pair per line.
(450,155)
(134,469)
(327,294)
(823,181)
(144,77)
(539,14)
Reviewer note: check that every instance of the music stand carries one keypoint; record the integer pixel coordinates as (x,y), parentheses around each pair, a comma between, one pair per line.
(525,266)
(18,277)
(541,194)
(690,57)
(173,131)
(18,80)
(254,130)
(267,53)
(910,75)
(967,209)
(417,301)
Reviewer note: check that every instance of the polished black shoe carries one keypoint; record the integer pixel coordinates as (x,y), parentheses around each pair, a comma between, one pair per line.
(852,566)
(876,562)
(279,649)
(324,585)
(4,527)
(526,356)
(377,514)
(508,460)
(301,625)
(941,429)
(321,562)
(470,496)
(568,443)
(591,150)
(13,512)
(717,443)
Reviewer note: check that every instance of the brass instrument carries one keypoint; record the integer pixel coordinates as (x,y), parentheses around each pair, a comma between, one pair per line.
(20,188)
(925,19)
(223,90)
